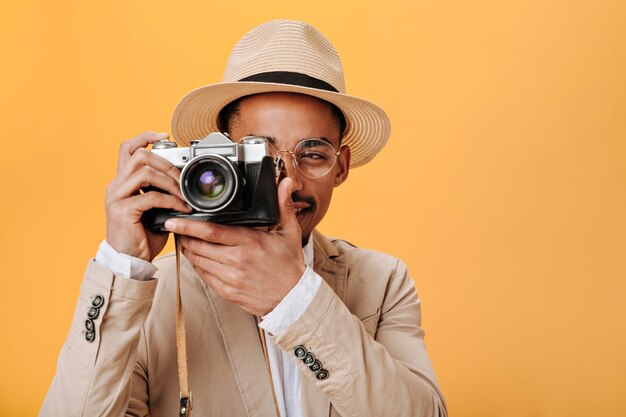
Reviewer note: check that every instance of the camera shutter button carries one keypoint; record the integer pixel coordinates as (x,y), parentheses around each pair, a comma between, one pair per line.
(164,144)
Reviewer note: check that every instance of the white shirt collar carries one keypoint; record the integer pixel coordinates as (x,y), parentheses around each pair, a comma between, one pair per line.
(307,250)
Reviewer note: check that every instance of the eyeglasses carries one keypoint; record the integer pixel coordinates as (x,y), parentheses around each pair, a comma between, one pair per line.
(312,157)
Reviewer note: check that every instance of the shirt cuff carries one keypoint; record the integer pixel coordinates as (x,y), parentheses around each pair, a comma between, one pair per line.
(293,305)
(124,265)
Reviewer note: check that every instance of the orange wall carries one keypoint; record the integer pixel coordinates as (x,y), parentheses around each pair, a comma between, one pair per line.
(503,185)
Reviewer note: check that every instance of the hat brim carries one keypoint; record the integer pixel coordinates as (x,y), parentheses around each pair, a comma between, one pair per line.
(367,125)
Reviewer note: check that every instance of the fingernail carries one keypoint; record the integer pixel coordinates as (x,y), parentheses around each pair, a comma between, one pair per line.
(161,136)
(170,224)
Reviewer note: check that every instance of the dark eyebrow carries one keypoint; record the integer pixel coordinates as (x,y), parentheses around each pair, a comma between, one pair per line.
(272,139)
(322,138)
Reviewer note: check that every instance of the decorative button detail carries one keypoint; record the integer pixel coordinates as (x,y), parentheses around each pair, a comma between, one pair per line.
(97,301)
(309,359)
(300,352)
(322,375)
(316,366)
(93,313)
(89,325)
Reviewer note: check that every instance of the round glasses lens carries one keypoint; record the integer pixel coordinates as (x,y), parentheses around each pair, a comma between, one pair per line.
(314,157)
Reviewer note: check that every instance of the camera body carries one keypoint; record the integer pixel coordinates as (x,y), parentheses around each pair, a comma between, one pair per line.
(224,182)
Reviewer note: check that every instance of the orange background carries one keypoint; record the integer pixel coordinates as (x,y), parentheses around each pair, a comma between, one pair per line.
(503,185)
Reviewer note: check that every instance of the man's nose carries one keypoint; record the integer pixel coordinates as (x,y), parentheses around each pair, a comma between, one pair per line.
(292,172)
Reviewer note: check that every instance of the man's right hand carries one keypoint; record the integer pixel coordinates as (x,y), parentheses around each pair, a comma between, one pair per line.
(139,168)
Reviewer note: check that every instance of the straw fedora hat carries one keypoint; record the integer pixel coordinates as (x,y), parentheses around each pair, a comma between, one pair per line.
(284,56)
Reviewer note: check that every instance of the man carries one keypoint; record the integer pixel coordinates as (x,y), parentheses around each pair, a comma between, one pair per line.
(341,323)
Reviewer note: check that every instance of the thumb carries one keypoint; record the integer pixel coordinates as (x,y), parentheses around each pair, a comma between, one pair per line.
(287,213)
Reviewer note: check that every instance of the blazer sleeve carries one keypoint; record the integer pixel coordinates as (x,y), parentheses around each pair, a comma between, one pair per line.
(97,361)
(376,366)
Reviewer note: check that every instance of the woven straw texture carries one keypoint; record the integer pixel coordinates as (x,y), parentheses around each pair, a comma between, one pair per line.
(283,45)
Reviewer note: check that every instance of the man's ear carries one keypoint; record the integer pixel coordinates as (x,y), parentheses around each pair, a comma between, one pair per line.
(343,161)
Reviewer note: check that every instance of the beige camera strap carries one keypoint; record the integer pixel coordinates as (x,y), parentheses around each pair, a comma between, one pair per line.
(181,343)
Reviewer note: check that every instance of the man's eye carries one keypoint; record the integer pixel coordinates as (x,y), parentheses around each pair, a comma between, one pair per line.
(312,155)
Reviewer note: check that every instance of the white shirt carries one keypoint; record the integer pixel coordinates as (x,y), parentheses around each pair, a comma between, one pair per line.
(285,374)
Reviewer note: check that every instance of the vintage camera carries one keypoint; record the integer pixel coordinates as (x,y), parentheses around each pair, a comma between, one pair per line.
(224,182)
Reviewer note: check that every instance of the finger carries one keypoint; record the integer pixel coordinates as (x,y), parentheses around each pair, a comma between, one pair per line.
(214,281)
(140,141)
(145,177)
(216,273)
(205,263)
(224,254)
(210,232)
(135,206)
(143,157)
(287,213)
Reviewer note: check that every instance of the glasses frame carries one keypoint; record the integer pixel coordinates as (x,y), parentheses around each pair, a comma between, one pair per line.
(279,161)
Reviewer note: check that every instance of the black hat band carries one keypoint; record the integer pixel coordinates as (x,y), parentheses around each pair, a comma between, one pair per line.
(291,78)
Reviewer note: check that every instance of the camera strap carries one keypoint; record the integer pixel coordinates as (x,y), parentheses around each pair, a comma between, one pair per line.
(267,364)
(181,343)
(181,348)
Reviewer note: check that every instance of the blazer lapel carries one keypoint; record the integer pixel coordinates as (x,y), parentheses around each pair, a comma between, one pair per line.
(327,263)
(245,353)
(241,338)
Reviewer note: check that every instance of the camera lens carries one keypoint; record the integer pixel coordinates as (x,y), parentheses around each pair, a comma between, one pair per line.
(209,183)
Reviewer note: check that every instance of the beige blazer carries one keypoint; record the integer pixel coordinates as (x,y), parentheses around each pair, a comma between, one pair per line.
(363,326)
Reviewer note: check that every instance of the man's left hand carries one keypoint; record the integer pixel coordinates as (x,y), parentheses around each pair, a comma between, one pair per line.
(249,267)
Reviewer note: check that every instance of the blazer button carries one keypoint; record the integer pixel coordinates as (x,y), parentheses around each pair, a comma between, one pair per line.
(93,313)
(97,301)
(90,336)
(300,352)
(316,366)
(89,326)
(322,375)
(309,359)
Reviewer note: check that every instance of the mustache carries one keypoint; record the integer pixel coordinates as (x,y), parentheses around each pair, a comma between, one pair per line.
(297,198)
